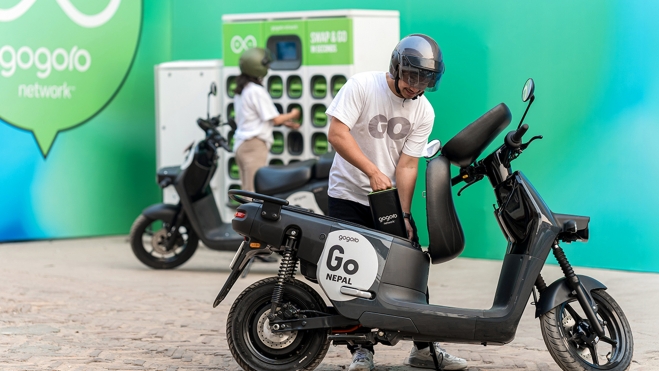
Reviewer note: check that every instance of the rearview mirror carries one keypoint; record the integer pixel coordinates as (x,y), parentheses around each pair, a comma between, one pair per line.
(527,92)
(213,89)
(432,148)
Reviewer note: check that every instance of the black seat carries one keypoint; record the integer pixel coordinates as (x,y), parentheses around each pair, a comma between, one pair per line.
(273,179)
(324,165)
(446,238)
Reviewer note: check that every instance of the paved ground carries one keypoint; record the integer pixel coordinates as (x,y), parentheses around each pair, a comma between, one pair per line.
(88,304)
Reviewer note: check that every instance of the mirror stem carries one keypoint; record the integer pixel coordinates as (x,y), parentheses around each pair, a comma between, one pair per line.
(527,110)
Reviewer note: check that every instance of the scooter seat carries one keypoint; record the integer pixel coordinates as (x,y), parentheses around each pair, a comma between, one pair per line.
(273,179)
(324,165)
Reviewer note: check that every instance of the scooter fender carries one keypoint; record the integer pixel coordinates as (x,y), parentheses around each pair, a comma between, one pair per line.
(559,292)
(244,254)
(164,212)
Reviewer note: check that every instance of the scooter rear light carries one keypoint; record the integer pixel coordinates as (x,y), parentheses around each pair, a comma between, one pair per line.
(240,214)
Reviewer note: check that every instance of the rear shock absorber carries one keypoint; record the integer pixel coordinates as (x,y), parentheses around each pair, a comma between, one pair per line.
(286,270)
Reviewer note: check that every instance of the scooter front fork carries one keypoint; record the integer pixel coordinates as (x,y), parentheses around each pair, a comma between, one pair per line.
(586,302)
(286,270)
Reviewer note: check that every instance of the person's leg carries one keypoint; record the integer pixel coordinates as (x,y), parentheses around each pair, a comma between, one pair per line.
(250,156)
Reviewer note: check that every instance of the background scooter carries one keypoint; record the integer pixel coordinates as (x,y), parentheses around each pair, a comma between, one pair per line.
(165,236)
(282,323)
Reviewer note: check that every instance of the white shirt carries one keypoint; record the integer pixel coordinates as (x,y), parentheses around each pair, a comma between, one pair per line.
(383,125)
(254,113)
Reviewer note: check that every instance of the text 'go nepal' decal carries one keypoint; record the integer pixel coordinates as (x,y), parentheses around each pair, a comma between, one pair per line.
(348,259)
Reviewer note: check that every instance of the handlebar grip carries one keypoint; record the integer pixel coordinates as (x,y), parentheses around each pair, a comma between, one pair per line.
(456,180)
(517,137)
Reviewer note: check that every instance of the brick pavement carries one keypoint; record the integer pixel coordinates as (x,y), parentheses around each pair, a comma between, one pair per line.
(88,304)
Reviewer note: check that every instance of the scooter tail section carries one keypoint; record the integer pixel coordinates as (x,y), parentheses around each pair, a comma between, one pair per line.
(559,292)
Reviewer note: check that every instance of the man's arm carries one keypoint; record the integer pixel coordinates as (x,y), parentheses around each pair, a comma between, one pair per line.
(345,145)
(406,173)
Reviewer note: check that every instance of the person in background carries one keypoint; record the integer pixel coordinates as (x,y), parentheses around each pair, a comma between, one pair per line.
(256,115)
(380,123)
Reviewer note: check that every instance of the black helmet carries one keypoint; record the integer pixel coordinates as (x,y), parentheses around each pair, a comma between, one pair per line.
(417,61)
(255,62)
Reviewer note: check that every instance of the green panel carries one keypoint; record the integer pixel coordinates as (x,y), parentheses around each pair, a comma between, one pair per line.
(337,83)
(238,37)
(318,116)
(278,143)
(319,144)
(231,140)
(232,202)
(276,161)
(231,86)
(328,42)
(234,171)
(275,86)
(318,87)
(231,112)
(294,87)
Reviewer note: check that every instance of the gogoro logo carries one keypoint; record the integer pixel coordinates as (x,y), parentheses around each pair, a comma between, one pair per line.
(63,72)
(387,218)
(348,238)
(239,45)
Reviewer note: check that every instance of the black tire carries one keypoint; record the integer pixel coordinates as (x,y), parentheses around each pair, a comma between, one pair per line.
(147,239)
(255,349)
(562,326)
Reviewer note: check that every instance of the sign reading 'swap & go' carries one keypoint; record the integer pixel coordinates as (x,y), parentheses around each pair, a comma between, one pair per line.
(61,63)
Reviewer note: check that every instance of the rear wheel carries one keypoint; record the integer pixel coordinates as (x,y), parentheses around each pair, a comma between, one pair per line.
(256,347)
(574,345)
(149,239)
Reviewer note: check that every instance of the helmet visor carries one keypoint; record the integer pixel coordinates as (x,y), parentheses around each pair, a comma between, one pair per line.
(421,73)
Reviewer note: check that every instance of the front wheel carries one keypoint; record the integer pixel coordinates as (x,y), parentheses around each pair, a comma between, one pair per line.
(576,347)
(255,347)
(149,239)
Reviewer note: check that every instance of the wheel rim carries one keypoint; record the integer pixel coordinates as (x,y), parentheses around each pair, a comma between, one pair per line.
(581,340)
(154,241)
(267,346)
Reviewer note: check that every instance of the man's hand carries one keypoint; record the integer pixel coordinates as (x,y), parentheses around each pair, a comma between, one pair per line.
(379,181)
(292,125)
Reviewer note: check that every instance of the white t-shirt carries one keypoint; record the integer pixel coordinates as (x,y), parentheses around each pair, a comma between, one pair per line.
(254,113)
(383,125)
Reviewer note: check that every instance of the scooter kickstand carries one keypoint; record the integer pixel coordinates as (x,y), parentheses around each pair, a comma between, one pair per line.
(433,353)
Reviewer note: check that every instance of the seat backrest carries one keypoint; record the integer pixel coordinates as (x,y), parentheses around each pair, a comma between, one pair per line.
(444,228)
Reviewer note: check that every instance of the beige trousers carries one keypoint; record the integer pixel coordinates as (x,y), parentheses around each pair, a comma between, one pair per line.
(250,156)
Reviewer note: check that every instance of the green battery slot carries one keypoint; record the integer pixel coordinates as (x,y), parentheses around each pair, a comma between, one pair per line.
(231,112)
(279,108)
(234,171)
(231,140)
(294,84)
(232,203)
(290,108)
(337,83)
(276,162)
(275,86)
(293,161)
(318,87)
(319,144)
(278,143)
(231,86)
(318,116)
(295,143)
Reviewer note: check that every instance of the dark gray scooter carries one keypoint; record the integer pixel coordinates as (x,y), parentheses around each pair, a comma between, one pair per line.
(377,282)
(165,236)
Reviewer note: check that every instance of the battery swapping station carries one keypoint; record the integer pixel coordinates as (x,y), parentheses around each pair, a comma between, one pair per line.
(314,53)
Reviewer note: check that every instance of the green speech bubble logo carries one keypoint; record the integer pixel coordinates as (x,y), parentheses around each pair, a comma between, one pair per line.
(62,62)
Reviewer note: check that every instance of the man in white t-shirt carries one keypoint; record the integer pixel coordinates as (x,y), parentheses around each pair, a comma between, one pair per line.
(380,123)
